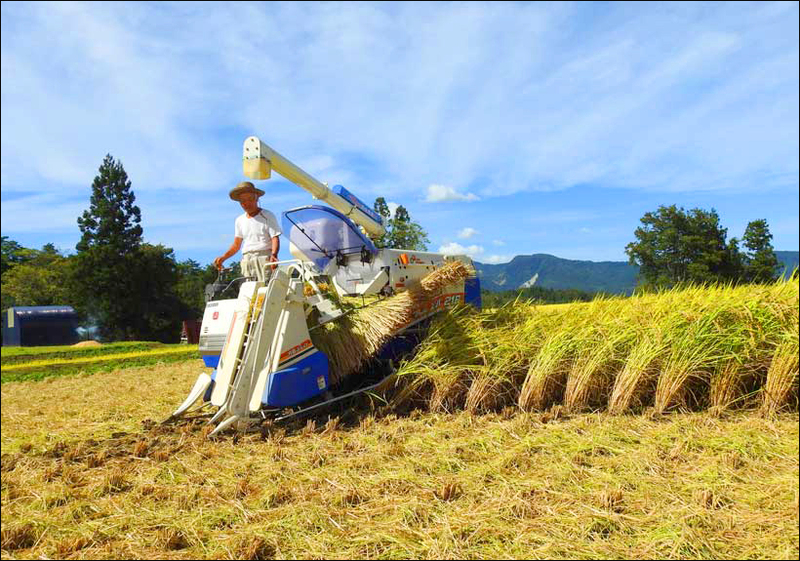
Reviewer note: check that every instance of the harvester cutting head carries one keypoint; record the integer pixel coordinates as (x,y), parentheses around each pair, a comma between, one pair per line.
(287,346)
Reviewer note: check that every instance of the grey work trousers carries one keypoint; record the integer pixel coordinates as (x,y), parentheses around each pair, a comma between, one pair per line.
(255,264)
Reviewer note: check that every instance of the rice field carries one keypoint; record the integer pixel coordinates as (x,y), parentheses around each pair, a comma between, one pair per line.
(718,348)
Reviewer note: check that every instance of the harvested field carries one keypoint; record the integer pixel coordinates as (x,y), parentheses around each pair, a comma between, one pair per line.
(87,474)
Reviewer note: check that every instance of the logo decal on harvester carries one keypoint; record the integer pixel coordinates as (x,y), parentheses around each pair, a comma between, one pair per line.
(443,301)
(294,351)
(437,304)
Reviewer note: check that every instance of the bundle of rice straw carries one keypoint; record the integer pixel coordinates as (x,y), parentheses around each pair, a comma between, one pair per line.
(352,339)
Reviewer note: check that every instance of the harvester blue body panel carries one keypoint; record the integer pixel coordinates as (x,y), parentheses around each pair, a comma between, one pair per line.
(351,198)
(472,292)
(301,381)
(211,361)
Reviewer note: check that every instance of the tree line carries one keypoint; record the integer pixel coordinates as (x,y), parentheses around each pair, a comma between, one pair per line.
(536,294)
(674,246)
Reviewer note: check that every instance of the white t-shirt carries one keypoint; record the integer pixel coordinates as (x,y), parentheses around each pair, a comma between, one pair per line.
(257,232)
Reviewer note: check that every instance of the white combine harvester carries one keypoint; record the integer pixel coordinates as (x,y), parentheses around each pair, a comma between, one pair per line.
(265,365)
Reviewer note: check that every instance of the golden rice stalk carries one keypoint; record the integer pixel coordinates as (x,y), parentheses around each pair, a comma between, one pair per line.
(673,384)
(351,340)
(490,392)
(18,537)
(449,390)
(411,390)
(546,374)
(591,376)
(451,273)
(694,353)
(782,377)
(638,373)
(726,386)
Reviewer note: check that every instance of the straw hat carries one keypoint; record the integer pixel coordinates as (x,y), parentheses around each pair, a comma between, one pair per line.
(244,187)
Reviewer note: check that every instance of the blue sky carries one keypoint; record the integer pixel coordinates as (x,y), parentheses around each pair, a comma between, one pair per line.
(505,129)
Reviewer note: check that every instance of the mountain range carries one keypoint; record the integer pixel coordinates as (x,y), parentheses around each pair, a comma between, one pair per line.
(549,271)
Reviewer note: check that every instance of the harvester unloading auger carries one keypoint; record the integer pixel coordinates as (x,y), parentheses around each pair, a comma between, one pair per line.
(290,345)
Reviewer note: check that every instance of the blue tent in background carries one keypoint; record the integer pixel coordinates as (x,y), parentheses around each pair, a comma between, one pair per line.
(29,326)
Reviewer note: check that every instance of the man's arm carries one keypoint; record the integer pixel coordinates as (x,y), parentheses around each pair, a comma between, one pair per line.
(276,246)
(237,243)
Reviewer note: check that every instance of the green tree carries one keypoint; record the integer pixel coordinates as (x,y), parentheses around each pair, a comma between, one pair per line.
(112,223)
(401,231)
(404,233)
(382,208)
(192,280)
(42,278)
(159,309)
(126,287)
(674,246)
(106,254)
(13,254)
(760,261)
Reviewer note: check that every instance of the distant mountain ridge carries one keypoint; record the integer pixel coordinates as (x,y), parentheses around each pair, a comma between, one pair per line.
(549,271)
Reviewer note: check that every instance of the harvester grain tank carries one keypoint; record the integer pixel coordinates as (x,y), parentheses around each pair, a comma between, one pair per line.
(261,344)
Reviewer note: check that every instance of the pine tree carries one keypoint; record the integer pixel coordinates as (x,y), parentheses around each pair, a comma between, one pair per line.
(112,222)
(761,263)
(107,254)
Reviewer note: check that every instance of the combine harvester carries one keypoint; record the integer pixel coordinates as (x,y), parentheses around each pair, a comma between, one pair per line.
(266,366)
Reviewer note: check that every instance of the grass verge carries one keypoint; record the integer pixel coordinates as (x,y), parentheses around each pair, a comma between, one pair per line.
(47,362)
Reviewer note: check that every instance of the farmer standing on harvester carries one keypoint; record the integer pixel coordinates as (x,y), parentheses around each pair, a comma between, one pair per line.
(258,229)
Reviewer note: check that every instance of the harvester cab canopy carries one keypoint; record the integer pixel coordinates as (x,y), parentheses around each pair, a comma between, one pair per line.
(322,234)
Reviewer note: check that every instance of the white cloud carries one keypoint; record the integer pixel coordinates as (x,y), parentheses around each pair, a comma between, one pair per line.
(141,93)
(466,94)
(443,193)
(454,248)
(467,233)
(498,243)
(495,259)
(392,208)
